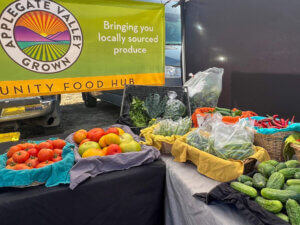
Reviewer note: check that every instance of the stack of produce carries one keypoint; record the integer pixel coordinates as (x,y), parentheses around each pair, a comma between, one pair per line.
(97,142)
(33,156)
(229,116)
(273,122)
(277,184)
(155,106)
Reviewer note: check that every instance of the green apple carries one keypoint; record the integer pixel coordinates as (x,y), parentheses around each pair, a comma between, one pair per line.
(87,145)
(130,146)
(126,138)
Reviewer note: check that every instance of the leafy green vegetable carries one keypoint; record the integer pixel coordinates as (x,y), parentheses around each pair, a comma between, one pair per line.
(174,108)
(138,113)
(169,127)
(155,106)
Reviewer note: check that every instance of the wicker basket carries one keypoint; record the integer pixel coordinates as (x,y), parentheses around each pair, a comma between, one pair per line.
(273,143)
(296,148)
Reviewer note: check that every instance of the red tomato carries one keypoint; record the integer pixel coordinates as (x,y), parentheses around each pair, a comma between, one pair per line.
(83,141)
(30,145)
(20,156)
(9,161)
(95,134)
(43,145)
(12,150)
(32,162)
(33,151)
(21,166)
(56,158)
(10,167)
(46,163)
(22,146)
(112,130)
(45,154)
(58,151)
(58,143)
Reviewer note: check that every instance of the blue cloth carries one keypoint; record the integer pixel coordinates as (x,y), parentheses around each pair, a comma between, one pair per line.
(52,175)
(292,127)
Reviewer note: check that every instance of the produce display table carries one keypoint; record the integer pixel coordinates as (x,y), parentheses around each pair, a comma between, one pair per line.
(181,207)
(133,196)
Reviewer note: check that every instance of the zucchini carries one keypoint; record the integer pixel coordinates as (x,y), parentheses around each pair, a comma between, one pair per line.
(283,217)
(273,206)
(292,163)
(295,187)
(293,211)
(280,166)
(259,181)
(244,178)
(249,183)
(281,195)
(272,162)
(250,191)
(266,169)
(297,175)
(276,181)
(289,173)
(293,181)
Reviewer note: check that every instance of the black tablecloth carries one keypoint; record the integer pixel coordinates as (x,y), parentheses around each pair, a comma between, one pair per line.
(128,197)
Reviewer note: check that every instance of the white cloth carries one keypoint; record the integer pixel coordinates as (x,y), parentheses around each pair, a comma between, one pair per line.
(181,208)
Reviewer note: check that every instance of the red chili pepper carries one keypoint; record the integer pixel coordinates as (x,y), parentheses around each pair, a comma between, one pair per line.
(270,124)
(282,122)
(292,121)
(287,122)
(275,116)
(277,124)
(264,125)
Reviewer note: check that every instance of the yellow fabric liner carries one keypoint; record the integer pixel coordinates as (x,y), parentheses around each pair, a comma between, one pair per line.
(212,166)
(156,140)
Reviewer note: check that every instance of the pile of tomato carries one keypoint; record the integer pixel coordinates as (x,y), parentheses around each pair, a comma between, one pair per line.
(30,155)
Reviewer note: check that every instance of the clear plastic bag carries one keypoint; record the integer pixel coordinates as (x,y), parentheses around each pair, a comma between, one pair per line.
(205,88)
(199,138)
(229,141)
(174,107)
(169,127)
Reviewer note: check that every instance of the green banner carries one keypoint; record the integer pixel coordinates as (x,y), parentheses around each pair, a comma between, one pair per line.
(79,45)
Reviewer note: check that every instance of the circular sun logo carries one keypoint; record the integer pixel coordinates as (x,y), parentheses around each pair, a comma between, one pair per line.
(43,37)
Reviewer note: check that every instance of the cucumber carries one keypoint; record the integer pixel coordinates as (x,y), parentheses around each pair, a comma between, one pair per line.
(266,169)
(259,181)
(244,178)
(295,187)
(293,211)
(283,217)
(276,181)
(273,206)
(281,195)
(293,181)
(250,191)
(272,162)
(289,173)
(292,163)
(280,166)
(297,175)
(249,183)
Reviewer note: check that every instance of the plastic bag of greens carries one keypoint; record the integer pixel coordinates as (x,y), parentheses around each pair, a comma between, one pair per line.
(205,88)
(169,127)
(174,107)
(199,138)
(232,141)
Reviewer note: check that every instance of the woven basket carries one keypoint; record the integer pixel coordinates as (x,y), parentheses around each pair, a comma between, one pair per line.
(273,143)
(166,148)
(296,148)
